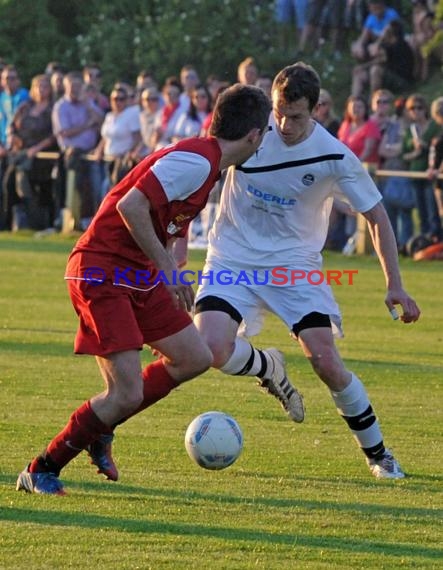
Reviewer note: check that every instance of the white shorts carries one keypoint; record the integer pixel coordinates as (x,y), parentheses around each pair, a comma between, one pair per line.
(289,302)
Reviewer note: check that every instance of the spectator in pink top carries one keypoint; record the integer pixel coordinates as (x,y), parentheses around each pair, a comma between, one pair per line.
(358,132)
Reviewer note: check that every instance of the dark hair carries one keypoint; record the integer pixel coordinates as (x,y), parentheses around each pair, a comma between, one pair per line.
(192,112)
(419,100)
(238,110)
(396,28)
(353,99)
(297,81)
(173,80)
(121,91)
(72,75)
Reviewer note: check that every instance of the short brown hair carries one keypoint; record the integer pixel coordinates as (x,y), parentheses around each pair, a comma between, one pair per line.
(297,81)
(238,110)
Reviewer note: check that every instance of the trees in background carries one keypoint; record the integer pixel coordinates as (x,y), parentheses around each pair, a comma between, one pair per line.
(129,35)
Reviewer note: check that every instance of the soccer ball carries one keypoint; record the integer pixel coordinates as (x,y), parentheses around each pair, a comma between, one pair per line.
(214,440)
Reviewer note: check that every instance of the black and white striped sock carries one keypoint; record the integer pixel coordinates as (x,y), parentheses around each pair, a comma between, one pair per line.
(248,361)
(355,408)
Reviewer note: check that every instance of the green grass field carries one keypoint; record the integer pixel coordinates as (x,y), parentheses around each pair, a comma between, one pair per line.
(300,496)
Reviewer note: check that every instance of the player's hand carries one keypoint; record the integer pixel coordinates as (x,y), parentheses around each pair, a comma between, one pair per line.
(411,312)
(182,296)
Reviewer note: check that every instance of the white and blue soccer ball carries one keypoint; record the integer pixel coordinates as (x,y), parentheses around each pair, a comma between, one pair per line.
(214,440)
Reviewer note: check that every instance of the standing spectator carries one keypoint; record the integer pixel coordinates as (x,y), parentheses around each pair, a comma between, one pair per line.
(31,132)
(145,80)
(290,15)
(247,72)
(189,80)
(358,132)
(2,67)
(215,86)
(55,71)
(381,107)
(324,113)
(375,23)
(214,96)
(190,122)
(436,154)
(76,123)
(398,192)
(170,113)
(416,144)
(11,96)
(57,87)
(362,136)
(149,115)
(92,77)
(120,136)
(318,12)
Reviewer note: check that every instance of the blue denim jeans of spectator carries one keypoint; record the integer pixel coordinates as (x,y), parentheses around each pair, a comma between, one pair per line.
(401,221)
(427,208)
(97,172)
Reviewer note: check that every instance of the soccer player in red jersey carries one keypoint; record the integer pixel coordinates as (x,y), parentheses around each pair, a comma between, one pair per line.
(111,276)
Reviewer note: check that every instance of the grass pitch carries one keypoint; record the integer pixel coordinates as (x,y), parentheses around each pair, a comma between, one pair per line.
(299,496)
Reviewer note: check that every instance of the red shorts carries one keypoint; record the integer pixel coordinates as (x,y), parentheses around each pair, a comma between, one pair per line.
(114,319)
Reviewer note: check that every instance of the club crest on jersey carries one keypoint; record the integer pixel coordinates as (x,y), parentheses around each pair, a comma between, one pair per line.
(173,226)
(308,179)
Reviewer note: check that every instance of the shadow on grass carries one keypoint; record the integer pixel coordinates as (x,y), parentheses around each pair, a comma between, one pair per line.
(430,515)
(85,520)
(104,487)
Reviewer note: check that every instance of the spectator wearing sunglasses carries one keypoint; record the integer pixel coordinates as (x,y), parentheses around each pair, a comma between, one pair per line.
(415,149)
(120,134)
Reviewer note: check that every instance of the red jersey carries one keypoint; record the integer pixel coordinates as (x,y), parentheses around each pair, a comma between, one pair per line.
(176,180)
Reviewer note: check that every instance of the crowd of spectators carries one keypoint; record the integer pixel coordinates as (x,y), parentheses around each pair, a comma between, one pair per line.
(384,130)
(65,142)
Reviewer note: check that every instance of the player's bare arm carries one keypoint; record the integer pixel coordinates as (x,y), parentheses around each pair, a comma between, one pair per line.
(135,210)
(386,249)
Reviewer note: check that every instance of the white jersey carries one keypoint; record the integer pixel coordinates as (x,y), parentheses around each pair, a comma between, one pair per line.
(275,208)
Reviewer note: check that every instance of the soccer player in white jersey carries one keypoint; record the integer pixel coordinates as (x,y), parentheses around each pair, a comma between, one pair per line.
(274,212)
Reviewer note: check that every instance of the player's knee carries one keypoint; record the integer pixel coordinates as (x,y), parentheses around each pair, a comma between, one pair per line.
(326,364)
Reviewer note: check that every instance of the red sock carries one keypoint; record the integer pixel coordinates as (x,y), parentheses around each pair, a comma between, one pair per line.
(83,428)
(157,383)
